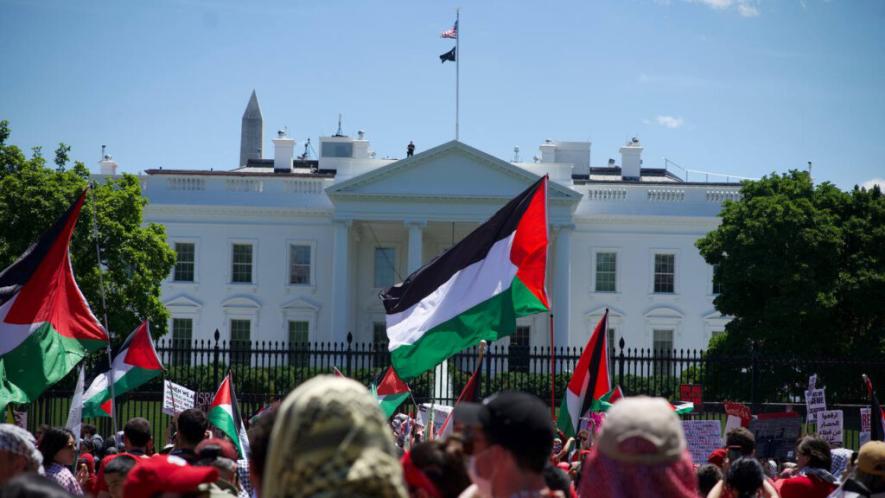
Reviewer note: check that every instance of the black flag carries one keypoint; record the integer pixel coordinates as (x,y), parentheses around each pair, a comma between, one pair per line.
(448,56)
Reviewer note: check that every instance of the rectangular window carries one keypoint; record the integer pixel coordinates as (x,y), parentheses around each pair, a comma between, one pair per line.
(240,341)
(182,335)
(518,352)
(299,265)
(298,347)
(241,272)
(717,285)
(385,259)
(662,346)
(665,273)
(606,271)
(184,262)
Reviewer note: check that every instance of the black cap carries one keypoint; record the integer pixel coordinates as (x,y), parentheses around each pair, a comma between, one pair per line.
(519,422)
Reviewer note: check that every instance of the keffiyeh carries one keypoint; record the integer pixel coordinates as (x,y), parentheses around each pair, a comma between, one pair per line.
(20,442)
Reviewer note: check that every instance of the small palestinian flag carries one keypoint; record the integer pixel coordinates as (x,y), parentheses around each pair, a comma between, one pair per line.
(590,387)
(390,392)
(46,326)
(682,407)
(474,291)
(225,415)
(135,364)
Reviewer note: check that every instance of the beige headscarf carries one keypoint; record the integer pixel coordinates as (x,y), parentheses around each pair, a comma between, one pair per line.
(330,440)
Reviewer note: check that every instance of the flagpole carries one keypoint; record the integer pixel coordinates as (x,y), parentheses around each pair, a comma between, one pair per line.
(457,68)
(552,372)
(104,307)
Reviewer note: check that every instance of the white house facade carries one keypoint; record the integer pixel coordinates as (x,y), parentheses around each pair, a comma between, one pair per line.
(296,250)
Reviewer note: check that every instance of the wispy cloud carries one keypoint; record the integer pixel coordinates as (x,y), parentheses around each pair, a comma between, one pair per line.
(874,181)
(669,121)
(745,8)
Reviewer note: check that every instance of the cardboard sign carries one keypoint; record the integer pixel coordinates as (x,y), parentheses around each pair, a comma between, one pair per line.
(829,427)
(866,426)
(739,410)
(702,436)
(440,412)
(815,402)
(776,434)
(693,393)
(176,398)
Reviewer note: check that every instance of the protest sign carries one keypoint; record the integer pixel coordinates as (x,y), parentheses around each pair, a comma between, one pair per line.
(693,393)
(702,436)
(739,410)
(776,434)
(176,398)
(732,422)
(440,412)
(812,382)
(815,402)
(866,426)
(829,427)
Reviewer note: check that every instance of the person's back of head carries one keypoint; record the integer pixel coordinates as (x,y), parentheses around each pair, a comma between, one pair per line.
(445,469)
(557,480)
(191,427)
(87,430)
(815,452)
(742,440)
(870,467)
(32,486)
(115,473)
(137,432)
(259,442)
(745,477)
(708,475)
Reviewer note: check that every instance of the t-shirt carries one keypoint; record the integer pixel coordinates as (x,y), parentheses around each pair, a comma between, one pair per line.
(803,487)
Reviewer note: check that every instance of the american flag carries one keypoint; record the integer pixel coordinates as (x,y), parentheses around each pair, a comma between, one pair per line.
(451,33)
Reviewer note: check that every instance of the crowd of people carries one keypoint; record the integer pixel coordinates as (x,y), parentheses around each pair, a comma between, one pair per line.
(328,438)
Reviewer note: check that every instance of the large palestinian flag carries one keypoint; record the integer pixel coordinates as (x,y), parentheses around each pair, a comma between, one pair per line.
(136,363)
(46,326)
(224,414)
(390,392)
(474,291)
(590,387)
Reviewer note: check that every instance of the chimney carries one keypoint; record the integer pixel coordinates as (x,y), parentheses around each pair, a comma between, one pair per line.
(107,163)
(548,151)
(283,151)
(631,160)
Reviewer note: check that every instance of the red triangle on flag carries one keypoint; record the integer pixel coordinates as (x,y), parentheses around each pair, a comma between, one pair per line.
(222,396)
(391,384)
(141,352)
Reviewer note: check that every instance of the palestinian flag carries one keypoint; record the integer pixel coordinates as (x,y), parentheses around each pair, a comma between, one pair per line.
(46,326)
(476,290)
(682,407)
(877,415)
(390,392)
(224,414)
(590,387)
(135,364)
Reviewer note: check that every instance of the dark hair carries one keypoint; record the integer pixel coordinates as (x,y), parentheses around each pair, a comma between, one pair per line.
(138,432)
(742,438)
(259,440)
(445,469)
(745,476)
(88,429)
(556,479)
(818,452)
(54,440)
(708,476)
(32,485)
(120,465)
(192,425)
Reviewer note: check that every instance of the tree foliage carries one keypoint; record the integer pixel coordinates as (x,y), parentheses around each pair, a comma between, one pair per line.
(802,268)
(135,258)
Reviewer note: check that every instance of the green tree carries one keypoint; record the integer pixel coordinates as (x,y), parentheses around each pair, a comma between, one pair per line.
(802,270)
(135,258)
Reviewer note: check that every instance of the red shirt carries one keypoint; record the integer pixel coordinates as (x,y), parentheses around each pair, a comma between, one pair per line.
(803,487)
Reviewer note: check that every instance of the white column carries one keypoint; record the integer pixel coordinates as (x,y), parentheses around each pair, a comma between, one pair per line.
(562,282)
(416,244)
(340,281)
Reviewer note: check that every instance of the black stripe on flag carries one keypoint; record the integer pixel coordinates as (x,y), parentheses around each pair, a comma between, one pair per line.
(469,250)
(593,369)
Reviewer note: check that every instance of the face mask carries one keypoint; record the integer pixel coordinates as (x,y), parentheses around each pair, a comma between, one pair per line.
(483,485)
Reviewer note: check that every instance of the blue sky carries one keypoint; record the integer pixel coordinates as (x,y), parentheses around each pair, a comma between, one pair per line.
(744,87)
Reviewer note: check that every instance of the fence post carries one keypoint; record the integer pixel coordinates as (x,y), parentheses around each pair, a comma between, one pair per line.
(348,355)
(621,361)
(215,359)
(753,375)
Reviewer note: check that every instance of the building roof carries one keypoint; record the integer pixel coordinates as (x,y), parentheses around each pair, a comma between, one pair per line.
(254,171)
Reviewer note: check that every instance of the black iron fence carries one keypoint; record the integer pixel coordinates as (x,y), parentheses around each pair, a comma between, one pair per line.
(267,370)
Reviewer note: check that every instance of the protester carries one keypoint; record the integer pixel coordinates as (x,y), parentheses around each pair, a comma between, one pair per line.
(136,436)
(330,439)
(259,441)
(640,452)
(115,473)
(190,428)
(717,457)
(220,454)
(86,464)
(709,475)
(744,479)
(510,438)
(167,477)
(18,453)
(57,446)
(32,486)
(442,465)
(740,443)
(868,478)
(558,482)
(813,462)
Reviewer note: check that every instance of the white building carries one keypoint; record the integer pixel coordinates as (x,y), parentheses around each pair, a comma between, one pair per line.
(293,250)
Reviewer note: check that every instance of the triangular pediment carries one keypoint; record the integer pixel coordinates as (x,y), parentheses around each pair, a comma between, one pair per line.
(241,303)
(450,170)
(301,304)
(183,302)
